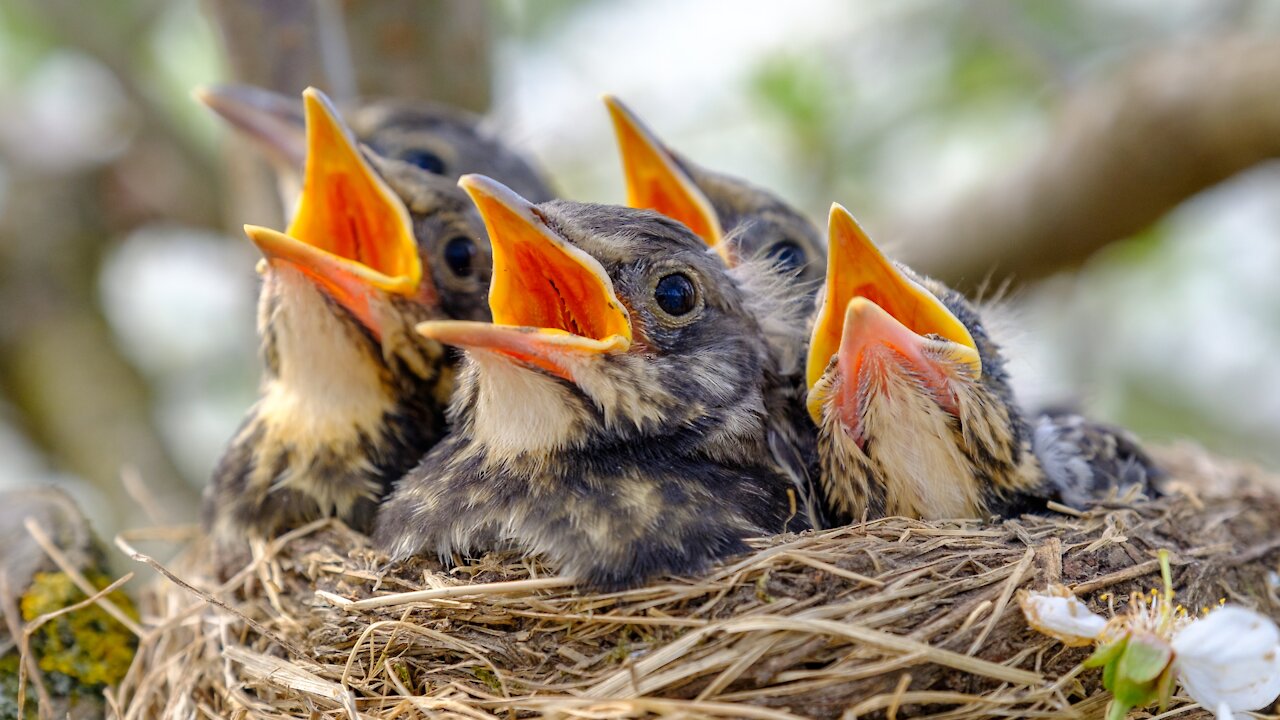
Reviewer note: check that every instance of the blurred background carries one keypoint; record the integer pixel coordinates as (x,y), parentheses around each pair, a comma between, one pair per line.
(1103,168)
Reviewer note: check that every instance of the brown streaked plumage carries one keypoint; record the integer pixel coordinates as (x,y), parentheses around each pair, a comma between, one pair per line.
(351,396)
(776,252)
(1086,461)
(912,402)
(612,418)
(740,220)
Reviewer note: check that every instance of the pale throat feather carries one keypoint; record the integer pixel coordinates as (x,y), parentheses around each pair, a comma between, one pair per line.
(329,385)
(518,411)
(914,451)
(927,473)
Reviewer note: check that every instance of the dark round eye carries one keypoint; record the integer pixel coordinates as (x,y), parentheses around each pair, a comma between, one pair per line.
(675,294)
(787,255)
(424,159)
(459,254)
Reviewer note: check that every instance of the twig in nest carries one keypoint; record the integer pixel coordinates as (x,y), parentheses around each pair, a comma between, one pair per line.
(155,565)
(1118,576)
(497,588)
(60,559)
(1257,552)
(28,666)
(1001,602)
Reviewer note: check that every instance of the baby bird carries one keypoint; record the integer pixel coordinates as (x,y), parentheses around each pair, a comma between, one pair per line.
(914,411)
(351,396)
(777,254)
(1086,461)
(741,221)
(612,417)
(436,138)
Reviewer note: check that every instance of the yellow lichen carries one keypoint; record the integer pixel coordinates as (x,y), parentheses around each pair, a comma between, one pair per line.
(88,645)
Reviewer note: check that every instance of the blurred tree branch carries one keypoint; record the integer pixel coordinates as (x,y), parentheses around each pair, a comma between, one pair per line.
(76,395)
(411,49)
(1123,151)
(112,37)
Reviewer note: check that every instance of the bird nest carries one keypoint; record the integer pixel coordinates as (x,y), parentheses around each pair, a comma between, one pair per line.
(887,618)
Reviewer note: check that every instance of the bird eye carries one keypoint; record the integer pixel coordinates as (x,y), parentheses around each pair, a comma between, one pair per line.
(424,159)
(787,255)
(676,294)
(459,254)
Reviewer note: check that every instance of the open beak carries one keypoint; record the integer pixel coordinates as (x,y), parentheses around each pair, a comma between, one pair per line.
(553,304)
(655,181)
(351,233)
(870,304)
(273,121)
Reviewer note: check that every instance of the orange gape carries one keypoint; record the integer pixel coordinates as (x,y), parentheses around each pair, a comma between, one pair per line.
(345,208)
(552,303)
(857,269)
(539,279)
(874,313)
(653,193)
(656,182)
(351,234)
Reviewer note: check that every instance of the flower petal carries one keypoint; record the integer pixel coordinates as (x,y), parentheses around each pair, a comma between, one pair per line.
(1062,616)
(1230,657)
(1228,633)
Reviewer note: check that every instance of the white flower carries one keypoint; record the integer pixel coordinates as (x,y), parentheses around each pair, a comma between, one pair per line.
(1060,615)
(1229,659)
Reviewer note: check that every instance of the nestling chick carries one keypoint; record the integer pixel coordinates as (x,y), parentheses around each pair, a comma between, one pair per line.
(436,138)
(741,221)
(351,396)
(1086,461)
(914,411)
(612,417)
(777,253)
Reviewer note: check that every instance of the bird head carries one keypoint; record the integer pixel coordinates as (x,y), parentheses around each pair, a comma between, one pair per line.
(607,323)
(440,140)
(909,394)
(447,142)
(351,238)
(740,221)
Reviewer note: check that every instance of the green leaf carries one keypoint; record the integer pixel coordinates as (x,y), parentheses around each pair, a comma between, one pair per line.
(1117,710)
(1106,653)
(1164,688)
(1145,658)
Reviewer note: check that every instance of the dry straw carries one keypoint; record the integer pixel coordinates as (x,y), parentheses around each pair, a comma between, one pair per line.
(892,618)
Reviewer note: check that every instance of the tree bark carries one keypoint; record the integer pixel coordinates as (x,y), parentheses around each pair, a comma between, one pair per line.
(75,394)
(412,49)
(1122,152)
(70,388)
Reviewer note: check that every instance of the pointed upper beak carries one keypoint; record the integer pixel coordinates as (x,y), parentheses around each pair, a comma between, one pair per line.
(553,304)
(273,121)
(655,181)
(868,301)
(351,232)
